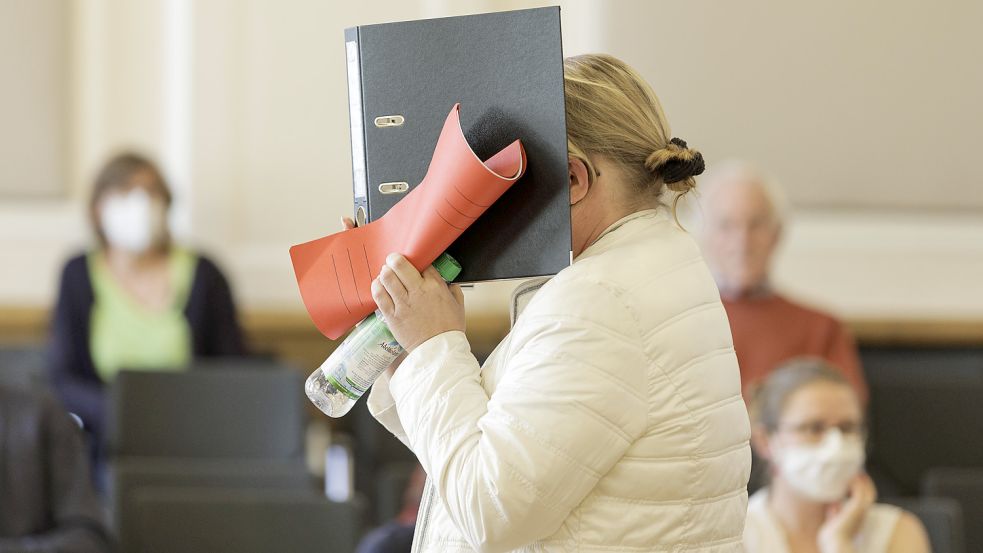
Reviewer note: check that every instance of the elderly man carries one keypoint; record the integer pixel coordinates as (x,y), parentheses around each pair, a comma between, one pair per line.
(743,216)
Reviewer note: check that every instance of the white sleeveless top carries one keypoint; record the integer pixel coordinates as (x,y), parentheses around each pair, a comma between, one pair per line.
(764,534)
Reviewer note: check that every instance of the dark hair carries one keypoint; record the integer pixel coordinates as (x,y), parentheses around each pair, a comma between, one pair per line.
(770,398)
(116,174)
(677,163)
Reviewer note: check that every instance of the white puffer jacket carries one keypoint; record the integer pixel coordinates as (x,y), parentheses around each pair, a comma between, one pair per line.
(610,419)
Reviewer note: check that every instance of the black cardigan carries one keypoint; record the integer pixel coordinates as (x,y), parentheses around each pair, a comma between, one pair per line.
(210,312)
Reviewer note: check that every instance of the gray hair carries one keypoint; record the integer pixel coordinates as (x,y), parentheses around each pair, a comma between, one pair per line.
(735,170)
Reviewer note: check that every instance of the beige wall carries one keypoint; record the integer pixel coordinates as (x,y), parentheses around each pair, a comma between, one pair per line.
(34,99)
(248,111)
(851,104)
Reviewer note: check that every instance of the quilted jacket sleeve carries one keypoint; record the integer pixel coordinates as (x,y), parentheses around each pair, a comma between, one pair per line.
(510,468)
(383,407)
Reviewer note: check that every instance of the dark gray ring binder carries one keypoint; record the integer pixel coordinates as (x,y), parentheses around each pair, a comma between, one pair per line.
(506,70)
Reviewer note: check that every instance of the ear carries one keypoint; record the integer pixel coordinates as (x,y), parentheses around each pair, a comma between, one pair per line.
(579,180)
(760,442)
(776,236)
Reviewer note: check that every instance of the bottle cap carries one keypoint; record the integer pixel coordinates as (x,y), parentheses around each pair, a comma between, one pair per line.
(448,267)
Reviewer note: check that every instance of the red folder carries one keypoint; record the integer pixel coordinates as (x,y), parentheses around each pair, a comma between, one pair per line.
(335,273)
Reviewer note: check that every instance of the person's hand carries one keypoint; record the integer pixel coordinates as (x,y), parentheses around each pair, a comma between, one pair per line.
(843,519)
(416,306)
(347,223)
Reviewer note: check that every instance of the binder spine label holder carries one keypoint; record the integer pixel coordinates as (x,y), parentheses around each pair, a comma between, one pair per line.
(359,179)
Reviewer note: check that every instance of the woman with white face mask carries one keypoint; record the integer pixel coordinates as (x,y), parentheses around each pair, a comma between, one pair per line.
(808,424)
(136,300)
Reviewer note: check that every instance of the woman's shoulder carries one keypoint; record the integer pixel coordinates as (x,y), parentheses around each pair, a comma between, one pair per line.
(575,292)
(758,512)
(761,531)
(76,263)
(892,529)
(203,265)
(908,531)
(883,517)
(207,281)
(574,307)
(75,273)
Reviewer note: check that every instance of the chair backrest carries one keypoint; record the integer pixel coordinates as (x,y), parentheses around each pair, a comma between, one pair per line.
(243,521)
(128,476)
(392,481)
(966,487)
(925,411)
(239,362)
(22,367)
(207,414)
(943,521)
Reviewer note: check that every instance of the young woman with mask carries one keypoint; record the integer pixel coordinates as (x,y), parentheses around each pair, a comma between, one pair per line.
(808,424)
(136,301)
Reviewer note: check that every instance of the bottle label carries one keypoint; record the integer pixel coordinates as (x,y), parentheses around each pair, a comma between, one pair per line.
(365,354)
(368,351)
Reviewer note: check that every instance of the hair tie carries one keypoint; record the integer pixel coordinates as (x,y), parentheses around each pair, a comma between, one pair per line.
(678,142)
(682,164)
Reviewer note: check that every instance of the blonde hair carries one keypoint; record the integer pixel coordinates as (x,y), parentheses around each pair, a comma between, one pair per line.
(611,111)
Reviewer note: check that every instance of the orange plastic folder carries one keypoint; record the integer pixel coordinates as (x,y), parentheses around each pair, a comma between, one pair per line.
(335,273)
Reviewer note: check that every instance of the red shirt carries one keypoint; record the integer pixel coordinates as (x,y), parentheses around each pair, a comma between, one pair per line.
(770,330)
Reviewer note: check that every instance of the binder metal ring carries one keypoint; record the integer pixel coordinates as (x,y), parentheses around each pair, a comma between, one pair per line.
(394,187)
(389,121)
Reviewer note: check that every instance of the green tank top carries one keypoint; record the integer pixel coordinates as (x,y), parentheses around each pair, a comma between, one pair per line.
(126,335)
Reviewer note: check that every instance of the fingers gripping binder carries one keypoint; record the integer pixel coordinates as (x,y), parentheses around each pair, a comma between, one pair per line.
(335,273)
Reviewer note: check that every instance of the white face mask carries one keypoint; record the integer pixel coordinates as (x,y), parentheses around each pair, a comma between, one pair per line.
(823,471)
(132,221)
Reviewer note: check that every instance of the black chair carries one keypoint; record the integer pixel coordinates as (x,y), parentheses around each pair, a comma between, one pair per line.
(925,411)
(261,362)
(242,521)
(129,476)
(207,414)
(222,430)
(23,367)
(943,520)
(966,487)
(391,487)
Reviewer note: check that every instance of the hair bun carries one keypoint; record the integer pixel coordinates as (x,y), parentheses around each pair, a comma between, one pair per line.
(676,163)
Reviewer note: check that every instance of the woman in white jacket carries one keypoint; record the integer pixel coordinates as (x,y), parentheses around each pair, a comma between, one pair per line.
(610,418)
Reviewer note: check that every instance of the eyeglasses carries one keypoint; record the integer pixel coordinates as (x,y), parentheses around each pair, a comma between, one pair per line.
(814,431)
